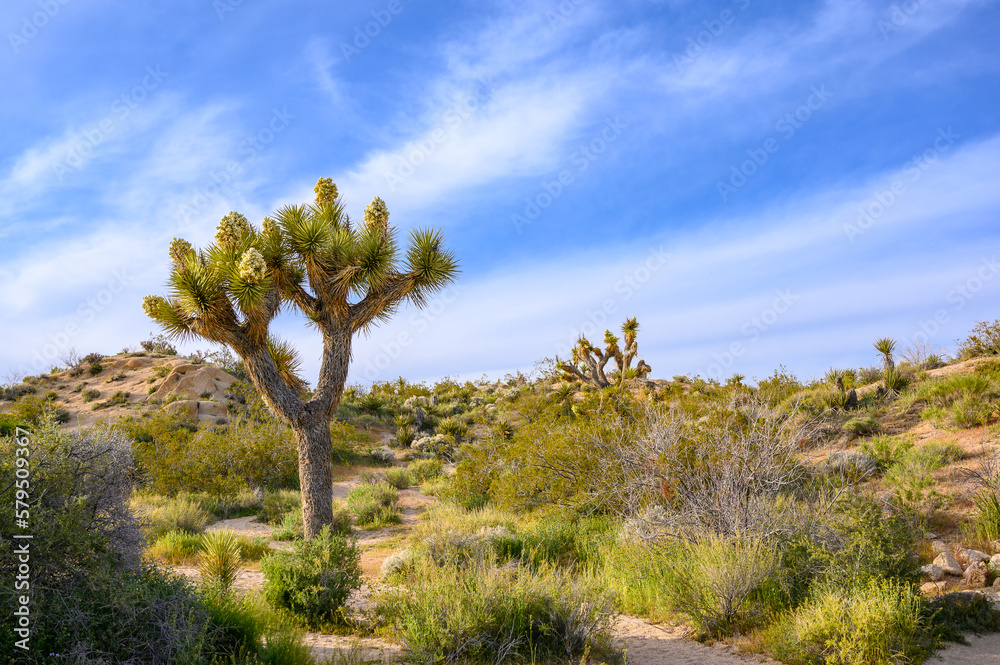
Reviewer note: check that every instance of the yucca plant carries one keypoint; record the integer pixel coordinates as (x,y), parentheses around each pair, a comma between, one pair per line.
(343,277)
(219,560)
(890,375)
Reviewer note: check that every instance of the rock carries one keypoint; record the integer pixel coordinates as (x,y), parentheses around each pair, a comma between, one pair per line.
(949,564)
(196,381)
(976,556)
(419,415)
(932,588)
(975,575)
(939,546)
(962,555)
(995,546)
(935,573)
(995,561)
(434,400)
(196,409)
(930,536)
(186,407)
(996,583)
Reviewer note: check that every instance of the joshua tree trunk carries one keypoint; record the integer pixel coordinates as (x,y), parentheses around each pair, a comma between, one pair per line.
(315,473)
(309,420)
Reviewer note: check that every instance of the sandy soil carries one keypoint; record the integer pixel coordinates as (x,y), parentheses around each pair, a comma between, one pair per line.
(649,644)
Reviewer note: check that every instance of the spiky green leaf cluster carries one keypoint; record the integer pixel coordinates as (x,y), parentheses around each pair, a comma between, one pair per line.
(309,256)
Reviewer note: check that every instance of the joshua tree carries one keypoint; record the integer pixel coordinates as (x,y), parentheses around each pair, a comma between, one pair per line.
(344,278)
(589,361)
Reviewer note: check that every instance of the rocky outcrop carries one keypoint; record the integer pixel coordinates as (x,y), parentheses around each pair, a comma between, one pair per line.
(198,409)
(947,562)
(195,382)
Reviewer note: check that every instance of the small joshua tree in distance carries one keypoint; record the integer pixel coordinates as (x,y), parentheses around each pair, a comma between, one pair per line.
(344,278)
(589,361)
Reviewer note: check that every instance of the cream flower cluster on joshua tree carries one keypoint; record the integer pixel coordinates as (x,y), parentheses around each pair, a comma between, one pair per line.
(179,248)
(151,304)
(232,227)
(252,266)
(376,214)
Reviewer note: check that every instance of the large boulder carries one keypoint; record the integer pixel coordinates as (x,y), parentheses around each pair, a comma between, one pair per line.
(196,382)
(934,573)
(947,562)
(975,575)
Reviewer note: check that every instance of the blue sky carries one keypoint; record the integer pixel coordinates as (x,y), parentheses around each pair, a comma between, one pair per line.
(761,184)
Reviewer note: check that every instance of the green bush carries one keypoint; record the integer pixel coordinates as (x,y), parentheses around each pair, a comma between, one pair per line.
(90,394)
(374,505)
(985,523)
(482,612)
(315,579)
(425,469)
(724,584)
(879,623)
(398,478)
(175,456)
(863,426)
(162,515)
(176,547)
(983,340)
(278,503)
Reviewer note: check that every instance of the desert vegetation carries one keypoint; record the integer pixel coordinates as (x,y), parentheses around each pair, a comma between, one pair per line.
(852,518)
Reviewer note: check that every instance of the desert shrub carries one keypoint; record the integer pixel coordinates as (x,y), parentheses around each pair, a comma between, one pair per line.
(453,427)
(315,578)
(983,340)
(724,583)
(92,597)
(160,344)
(964,400)
(914,488)
(174,456)
(482,612)
(398,478)
(984,525)
(886,450)
(952,616)
(424,469)
(374,505)
(9,425)
(383,455)
(32,410)
(866,542)
(246,631)
(161,516)
(219,560)
(95,368)
(863,426)
(635,570)
(90,394)
(879,623)
(851,465)
(120,398)
(176,547)
(12,393)
(291,527)
(278,503)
